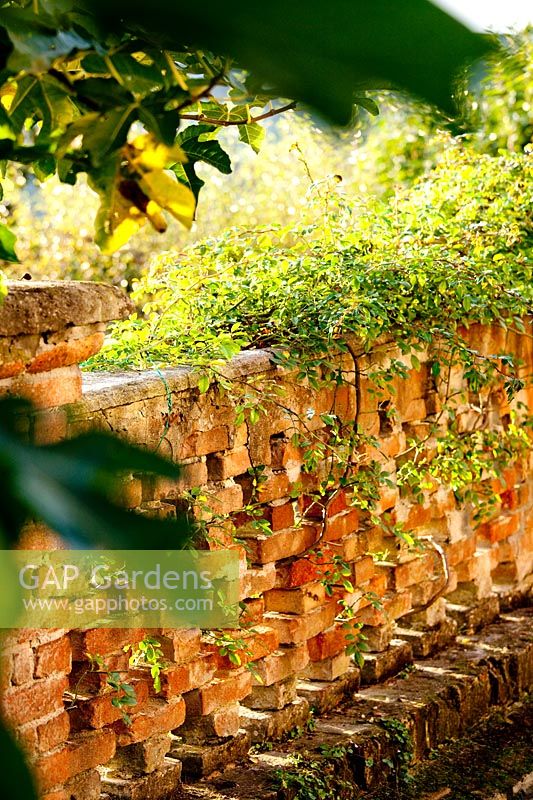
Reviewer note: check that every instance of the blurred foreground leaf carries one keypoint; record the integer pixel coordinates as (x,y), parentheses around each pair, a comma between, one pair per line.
(68,486)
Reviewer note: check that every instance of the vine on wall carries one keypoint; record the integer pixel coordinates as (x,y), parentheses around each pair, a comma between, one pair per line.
(354,308)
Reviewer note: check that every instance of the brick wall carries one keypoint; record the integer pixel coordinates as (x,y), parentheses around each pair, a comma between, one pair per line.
(210,710)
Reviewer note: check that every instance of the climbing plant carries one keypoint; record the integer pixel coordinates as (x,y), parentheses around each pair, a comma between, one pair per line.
(359,299)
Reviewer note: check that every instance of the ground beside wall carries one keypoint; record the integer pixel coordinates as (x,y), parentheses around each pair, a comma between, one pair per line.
(306,558)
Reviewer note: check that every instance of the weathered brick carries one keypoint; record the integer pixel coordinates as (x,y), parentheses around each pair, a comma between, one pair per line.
(158,716)
(342,525)
(53,657)
(273,486)
(22,704)
(296,601)
(500,528)
(202,443)
(329,669)
(221,466)
(220,692)
(53,731)
(83,752)
(328,643)
(282,664)
(263,549)
(410,572)
(46,389)
(295,629)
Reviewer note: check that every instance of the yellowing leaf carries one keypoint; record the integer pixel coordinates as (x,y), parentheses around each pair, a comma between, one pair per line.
(171,195)
(147,154)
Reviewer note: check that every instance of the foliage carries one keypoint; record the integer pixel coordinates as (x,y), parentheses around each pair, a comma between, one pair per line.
(69,485)
(456,248)
(398,733)
(147,653)
(326,778)
(501,114)
(380,155)
(102,90)
(124,696)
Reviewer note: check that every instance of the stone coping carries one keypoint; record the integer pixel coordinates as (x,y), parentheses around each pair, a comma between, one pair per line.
(104,389)
(34,307)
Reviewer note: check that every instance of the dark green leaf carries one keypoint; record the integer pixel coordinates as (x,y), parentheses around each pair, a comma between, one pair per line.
(7,245)
(36,42)
(319,52)
(196,149)
(16,777)
(68,486)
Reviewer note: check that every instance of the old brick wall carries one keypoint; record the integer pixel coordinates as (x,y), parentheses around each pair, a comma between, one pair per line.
(214,709)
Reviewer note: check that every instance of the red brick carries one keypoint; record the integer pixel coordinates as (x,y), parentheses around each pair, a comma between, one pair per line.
(23,665)
(180,645)
(363,570)
(342,525)
(293,629)
(98,711)
(273,487)
(220,692)
(281,544)
(305,570)
(224,500)
(393,607)
(177,680)
(22,704)
(331,505)
(101,641)
(53,732)
(221,466)
(257,580)
(53,657)
(460,550)
(257,643)
(158,716)
(202,443)
(500,528)
(296,601)
(328,643)
(284,452)
(46,389)
(278,515)
(66,353)
(411,572)
(252,613)
(388,497)
(282,664)
(85,751)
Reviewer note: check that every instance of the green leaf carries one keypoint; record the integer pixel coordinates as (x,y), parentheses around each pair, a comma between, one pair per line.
(105,133)
(36,42)
(7,245)
(198,149)
(253,135)
(41,98)
(209,151)
(203,383)
(319,52)
(367,103)
(16,777)
(68,486)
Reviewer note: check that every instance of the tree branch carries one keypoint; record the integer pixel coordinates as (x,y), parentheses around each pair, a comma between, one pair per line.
(227,122)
